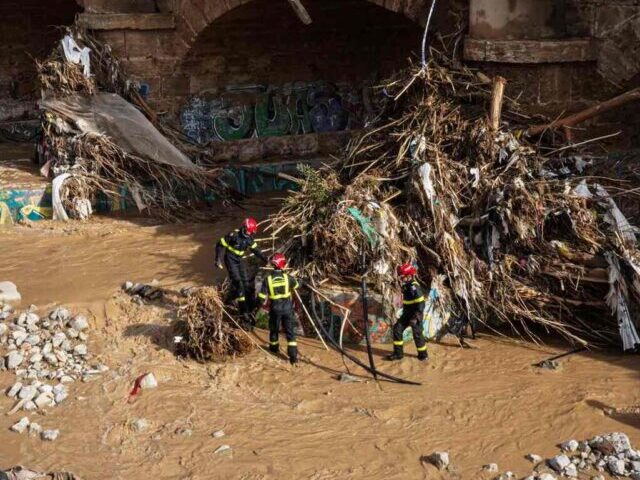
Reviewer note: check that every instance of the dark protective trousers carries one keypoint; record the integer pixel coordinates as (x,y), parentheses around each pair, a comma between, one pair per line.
(240,291)
(411,317)
(283,317)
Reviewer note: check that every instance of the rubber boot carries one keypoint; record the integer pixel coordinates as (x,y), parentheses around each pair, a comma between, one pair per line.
(397,354)
(275,349)
(423,356)
(292,352)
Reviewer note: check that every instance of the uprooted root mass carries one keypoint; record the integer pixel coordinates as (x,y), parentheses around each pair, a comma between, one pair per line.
(207,332)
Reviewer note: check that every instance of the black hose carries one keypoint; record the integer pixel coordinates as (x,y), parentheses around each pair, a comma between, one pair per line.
(365,314)
(353,358)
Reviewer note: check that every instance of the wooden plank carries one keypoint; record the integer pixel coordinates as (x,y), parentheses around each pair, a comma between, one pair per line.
(127,21)
(530,51)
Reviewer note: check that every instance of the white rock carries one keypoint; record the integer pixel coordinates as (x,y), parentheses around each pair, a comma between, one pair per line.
(58,339)
(616,441)
(569,446)
(33,340)
(571,471)
(50,435)
(616,467)
(67,379)
(72,333)
(598,477)
(127,286)
(9,293)
(491,467)
(51,359)
(140,424)
(14,359)
(35,429)
(66,346)
(61,397)
(439,459)
(60,314)
(223,450)
(79,323)
(44,400)
(533,458)
(61,356)
(29,406)
(3,329)
(28,392)
(35,358)
(45,388)
(80,349)
(21,426)
(14,390)
(148,381)
(218,434)
(546,476)
(559,462)
(19,336)
(82,336)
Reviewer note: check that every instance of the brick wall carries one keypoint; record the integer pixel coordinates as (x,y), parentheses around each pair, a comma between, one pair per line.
(28,31)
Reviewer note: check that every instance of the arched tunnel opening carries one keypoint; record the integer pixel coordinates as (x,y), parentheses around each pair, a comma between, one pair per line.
(259,72)
(29,30)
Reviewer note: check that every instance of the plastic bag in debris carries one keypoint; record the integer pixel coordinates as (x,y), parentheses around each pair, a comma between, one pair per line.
(365,226)
(21,473)
(618,304)
(427,184)
(75,54)
(615,217)
(582,190)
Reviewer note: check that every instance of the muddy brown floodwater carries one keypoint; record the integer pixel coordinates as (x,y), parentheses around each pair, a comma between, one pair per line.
(483,405)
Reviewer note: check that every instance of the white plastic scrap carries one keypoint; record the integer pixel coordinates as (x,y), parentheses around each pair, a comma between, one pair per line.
(476,176)
(615,217)
(617,301)
(582,190)
(75,54)
(59,212)
(427,184)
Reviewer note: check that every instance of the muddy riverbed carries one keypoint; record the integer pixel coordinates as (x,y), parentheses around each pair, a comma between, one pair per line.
(483,405)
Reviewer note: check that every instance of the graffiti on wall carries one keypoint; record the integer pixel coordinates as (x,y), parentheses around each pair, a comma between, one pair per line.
(16,205)
(292,109)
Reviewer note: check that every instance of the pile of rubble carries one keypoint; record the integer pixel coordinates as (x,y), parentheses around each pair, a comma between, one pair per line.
(610,453)
(46,354)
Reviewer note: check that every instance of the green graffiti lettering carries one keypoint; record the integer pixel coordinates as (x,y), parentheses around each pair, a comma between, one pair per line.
(272,117)
(234,125)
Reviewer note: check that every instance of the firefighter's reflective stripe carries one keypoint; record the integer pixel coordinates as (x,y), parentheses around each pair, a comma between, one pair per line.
(254,246)
(241,299)
(292,344)
(422,349)
(226,245)
(414,301)
(398,343)
(262,296)
(274,342)
(278,282)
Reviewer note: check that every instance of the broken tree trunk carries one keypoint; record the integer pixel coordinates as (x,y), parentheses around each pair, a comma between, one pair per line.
(497,95)
(571,120)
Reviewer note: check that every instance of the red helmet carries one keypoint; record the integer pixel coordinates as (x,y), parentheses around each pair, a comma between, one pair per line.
(279,261)
(406,270)
(251,226)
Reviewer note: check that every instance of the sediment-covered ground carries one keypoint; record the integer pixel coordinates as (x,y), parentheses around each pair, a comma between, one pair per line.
(482,405)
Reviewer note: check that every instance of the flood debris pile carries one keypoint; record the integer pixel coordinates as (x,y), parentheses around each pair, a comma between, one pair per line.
(99,131)
(524,239)
(610,453)
(22,473)
(205,331)
(46,354)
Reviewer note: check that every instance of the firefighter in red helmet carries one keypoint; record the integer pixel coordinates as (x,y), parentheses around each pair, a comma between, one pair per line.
(413,303)
(232,249)
(277,290)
